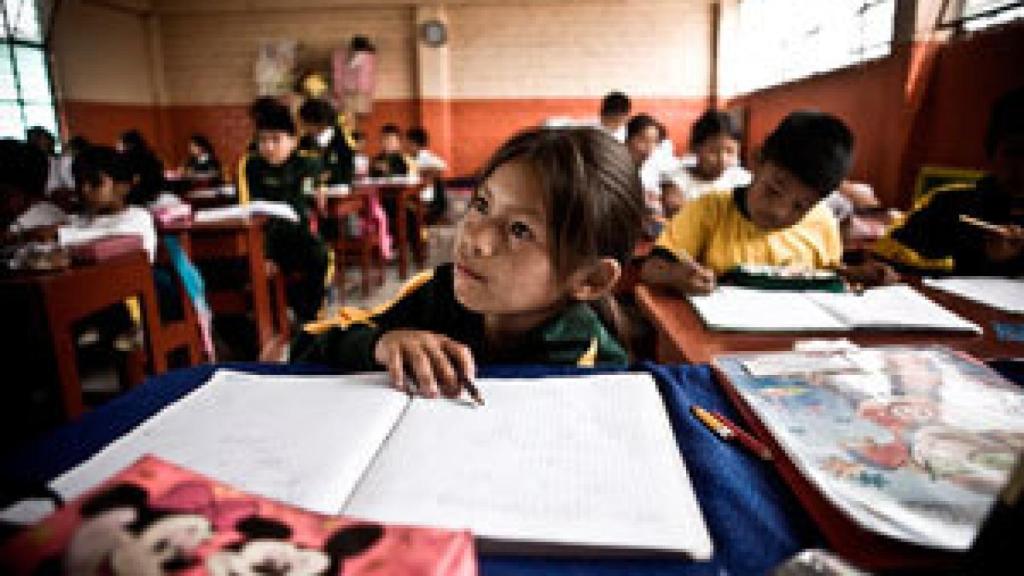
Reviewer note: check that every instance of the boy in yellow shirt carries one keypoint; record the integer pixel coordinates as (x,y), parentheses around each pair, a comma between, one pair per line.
(777,220)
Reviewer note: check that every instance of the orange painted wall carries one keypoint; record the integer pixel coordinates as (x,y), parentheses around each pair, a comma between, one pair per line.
(464,131)
(906,115)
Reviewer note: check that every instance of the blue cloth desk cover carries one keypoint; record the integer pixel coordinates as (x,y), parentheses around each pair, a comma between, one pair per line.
(754,521)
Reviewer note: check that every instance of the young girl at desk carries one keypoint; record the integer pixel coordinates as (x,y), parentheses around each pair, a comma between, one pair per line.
(778,220)
(715,143)
(544,240)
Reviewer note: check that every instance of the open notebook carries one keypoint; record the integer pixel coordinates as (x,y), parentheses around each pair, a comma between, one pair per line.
(1006,294)
(556,465)
(898,307)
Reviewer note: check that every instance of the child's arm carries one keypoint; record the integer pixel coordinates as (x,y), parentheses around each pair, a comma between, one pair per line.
(684,275)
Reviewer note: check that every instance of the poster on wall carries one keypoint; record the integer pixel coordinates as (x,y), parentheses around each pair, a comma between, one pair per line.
(275,67)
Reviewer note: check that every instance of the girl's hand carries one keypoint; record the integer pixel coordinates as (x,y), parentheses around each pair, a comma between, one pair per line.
(869,273)
(697,279)
(438,364)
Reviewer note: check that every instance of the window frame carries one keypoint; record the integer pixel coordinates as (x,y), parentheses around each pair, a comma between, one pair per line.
(9,41)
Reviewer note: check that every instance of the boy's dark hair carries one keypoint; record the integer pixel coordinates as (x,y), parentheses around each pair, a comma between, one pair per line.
(36,133)
(418,136)
(390,129)
(615,104)
(361,44)
(275,117)
(203,142)
(713,123)
(637,124)
(90,164)
(134,141)
(592,191)
(318,111)
(259,105)
(1006,119)
(815,147)
(23,168)
(358,136)
(77,143)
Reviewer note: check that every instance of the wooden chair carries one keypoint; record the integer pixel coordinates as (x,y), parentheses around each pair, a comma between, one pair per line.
(365,245)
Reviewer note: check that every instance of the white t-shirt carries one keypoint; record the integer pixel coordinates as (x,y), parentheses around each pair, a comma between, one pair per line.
(425,159)
(133,220)
(60,177)
(693,187)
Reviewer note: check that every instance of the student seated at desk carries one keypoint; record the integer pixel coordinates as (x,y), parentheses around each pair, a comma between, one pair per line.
(643,133)
(24,209)
(325,138)
(778,220)
(391,161)
(615,107)
(280,172)
(538,252)
(202,162)
(935,238)
(429,167)
(147,171)
(715,142)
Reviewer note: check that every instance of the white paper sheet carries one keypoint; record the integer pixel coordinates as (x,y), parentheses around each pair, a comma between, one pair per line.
(1006,294)
(302,440)
(269,208)
(897,307)
(749,310)
(581,461)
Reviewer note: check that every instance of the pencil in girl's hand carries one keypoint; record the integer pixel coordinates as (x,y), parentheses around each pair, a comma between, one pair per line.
(473,391)
(979,223)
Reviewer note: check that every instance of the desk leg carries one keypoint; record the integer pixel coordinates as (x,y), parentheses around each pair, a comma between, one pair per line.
(402,235)
(260,289)
(151,323)
(67,370)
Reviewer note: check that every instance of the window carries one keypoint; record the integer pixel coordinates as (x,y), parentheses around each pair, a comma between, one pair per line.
(26,93)
(979,14)
(782,40)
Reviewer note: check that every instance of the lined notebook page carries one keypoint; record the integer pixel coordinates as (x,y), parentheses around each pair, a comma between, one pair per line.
(1006,294)
(732,308)
(304,440)
(897,307)
(573,461)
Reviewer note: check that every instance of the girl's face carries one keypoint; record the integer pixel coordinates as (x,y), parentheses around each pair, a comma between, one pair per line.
(777,199)
(716,154)
(195,150)
(503,263)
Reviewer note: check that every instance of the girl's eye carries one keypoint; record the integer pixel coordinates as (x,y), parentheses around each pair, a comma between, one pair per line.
(479,204)
(520,231)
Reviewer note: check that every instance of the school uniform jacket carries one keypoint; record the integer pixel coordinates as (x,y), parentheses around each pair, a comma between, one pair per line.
(337,158)
(932,237)
(292,182)
(398,165)
(576,336)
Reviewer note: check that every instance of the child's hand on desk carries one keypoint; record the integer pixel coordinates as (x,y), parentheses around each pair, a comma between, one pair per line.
(1004,244)
(869,273)
(438,363)
(686,276)
(696,279)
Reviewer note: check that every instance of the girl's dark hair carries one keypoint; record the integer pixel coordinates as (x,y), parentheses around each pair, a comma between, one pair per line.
(712,123)
(1005,120)
(641,122)
(91,163)
(592,197)
(418,136)
(815,147)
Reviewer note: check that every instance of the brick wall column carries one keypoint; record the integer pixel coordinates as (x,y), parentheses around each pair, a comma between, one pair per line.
(433,83)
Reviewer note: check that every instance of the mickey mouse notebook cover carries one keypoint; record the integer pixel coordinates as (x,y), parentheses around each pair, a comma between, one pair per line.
(156,518)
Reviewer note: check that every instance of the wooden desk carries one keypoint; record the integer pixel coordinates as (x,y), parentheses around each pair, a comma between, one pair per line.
(405,195)
(682,336)
(237,239)
(68,296)
(340,207)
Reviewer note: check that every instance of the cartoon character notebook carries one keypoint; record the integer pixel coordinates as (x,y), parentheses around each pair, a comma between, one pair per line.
(910,443)
(540,468)
(156,518)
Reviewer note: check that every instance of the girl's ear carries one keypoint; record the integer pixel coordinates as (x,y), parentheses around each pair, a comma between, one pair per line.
(595,280)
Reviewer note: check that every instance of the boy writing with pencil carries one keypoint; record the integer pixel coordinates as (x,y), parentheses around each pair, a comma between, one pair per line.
(778,220)
(974,228)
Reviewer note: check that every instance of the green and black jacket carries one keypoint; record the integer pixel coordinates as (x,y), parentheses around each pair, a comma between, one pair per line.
(933,239)
(576,336)
(398,165)
(337,159)
(292,182)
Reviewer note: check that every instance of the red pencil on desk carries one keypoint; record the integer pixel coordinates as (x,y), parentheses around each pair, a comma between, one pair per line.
(745,438)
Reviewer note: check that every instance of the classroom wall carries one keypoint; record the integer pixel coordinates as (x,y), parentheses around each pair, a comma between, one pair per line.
(102,69)
(508,65)
(925,104)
